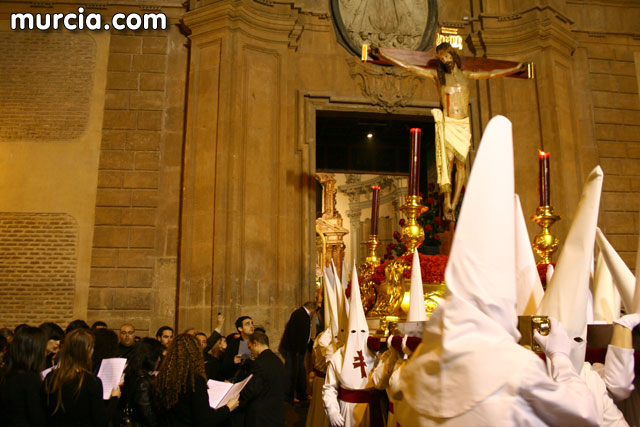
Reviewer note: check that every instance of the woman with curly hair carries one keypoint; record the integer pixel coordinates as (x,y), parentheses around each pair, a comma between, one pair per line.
(180,389)
(73,395)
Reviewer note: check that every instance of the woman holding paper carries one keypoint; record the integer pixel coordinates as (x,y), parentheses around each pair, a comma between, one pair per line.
(73,394)
(180,389)
(20,402)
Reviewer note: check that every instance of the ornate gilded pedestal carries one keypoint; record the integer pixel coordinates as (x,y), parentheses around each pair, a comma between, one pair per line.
(368,292)
(545,243)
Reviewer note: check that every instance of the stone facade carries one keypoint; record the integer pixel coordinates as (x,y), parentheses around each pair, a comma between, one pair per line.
(186,157)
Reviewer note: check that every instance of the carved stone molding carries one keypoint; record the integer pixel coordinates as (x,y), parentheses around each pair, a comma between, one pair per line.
(409,24)
(387,87)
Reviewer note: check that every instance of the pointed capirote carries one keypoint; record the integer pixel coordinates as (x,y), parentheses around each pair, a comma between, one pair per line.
(622,277)
(481,266)
(417,311)
(345,276)
(476,323)
(358,359)
(606,299)
(529,290)
(342,308)
(566,297)
(549,274)
(330,305)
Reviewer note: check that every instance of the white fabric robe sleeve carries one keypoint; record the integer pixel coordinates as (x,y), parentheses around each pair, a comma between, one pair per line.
(384,368)
(619,371)
(562,399)
(609,414)
(330,390)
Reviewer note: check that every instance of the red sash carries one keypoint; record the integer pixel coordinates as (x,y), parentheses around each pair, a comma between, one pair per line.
(370,396)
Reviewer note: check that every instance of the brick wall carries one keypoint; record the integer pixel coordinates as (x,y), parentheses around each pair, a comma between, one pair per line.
(616,110)
(46,85)
(138,182)
(38,265)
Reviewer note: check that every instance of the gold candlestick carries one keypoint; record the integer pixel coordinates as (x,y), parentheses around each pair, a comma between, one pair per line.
(368,291)
(412,234)
(545,243)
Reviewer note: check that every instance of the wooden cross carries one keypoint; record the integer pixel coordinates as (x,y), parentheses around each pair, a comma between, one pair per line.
(428,60)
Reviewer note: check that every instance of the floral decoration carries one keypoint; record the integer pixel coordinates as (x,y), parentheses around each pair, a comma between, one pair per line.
(431,267)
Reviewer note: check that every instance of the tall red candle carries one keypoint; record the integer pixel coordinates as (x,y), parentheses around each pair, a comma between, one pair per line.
(543,179)
(375,207)
(414,169)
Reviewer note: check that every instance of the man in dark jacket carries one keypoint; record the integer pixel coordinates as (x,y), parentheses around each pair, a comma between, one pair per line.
(263,396)
(294,345)
(237,348)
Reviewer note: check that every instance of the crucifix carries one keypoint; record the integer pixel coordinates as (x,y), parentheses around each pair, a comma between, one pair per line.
(358,362)
(452,74)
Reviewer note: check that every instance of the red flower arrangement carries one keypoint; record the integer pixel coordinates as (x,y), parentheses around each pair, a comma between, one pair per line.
(432,268)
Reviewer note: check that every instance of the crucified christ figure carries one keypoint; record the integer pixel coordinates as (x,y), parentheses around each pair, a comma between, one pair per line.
(453,129)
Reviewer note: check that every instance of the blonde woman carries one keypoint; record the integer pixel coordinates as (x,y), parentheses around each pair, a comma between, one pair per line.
(73,394)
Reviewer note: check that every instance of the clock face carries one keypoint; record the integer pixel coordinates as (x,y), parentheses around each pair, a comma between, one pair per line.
(407,24)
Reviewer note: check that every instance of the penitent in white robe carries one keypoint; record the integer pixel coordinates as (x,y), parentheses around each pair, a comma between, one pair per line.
(355,414)
(322,348)
(383,374)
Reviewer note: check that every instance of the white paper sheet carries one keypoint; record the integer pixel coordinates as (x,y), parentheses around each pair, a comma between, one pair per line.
(220,392)
(44,373)
(110,374)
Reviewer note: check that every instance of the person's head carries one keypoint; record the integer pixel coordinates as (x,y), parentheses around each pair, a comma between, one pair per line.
(75,361)
(310,305)
(127,335)
(244,325)
(54,335)
(202,339)
(447,58)
(75,324)
(219,347)
(27,351)
(144,357)
(165,335)
(182,363)
(99,325)
(258,342)
(191,331)
(105,346)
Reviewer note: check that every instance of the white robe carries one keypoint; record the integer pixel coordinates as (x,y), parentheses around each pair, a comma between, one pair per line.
(316,416)
(608,412)
(529,398)
(354,414)
(383,375)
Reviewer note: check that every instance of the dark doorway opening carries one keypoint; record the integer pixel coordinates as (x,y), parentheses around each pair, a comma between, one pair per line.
(353,142)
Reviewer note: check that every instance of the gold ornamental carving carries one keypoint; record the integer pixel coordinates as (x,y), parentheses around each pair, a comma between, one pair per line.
(368,291)
(386,87)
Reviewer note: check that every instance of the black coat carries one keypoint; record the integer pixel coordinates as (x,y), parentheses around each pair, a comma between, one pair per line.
(296,333)
(193,410)
(263,396)
(21,400)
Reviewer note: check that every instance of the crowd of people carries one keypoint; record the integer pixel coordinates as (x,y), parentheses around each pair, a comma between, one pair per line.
(49,376)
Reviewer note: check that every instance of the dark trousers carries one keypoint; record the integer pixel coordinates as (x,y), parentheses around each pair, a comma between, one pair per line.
(296,376)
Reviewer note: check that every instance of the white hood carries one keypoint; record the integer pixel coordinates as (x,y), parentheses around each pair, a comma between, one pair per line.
(469,345)
(358,360)
(606,299)
(417,311)
(567,295)
(341,308)
(622,276)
